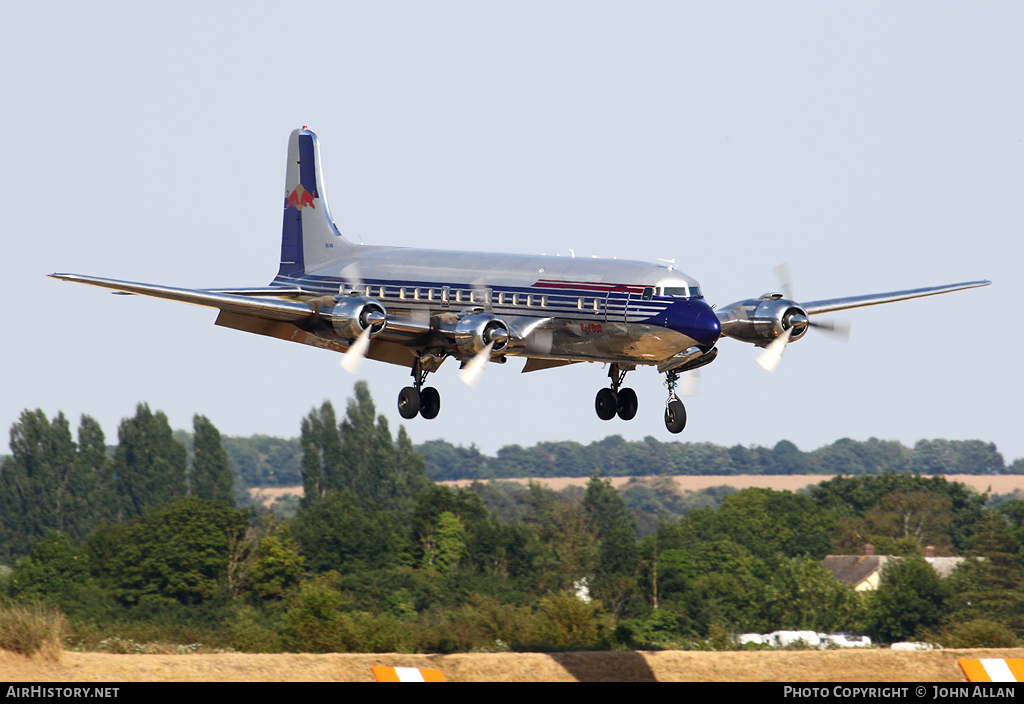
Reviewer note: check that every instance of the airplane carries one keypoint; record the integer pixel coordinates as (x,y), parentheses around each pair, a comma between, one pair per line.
(416,308)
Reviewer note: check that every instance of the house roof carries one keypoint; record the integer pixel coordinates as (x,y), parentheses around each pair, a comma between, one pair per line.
(853,569)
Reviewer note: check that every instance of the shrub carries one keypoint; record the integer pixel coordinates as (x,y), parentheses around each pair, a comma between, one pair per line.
(978,634)
(32,628)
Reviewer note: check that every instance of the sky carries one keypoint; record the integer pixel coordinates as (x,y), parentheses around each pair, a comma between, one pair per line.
(871,146)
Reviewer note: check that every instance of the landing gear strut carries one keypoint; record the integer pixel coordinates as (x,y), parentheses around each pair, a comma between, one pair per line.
(675,411)
(615,400)
(413,400)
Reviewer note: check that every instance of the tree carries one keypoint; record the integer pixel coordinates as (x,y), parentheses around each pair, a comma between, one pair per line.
(338,533)
(911,598)
(359,457)
(917,519)
(51,484)
(149,464)
(179,551)
(991,587)
(769,522)
(803,595)
(211,473)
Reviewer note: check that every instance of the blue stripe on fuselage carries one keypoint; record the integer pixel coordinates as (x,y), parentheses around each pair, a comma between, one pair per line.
(692,317)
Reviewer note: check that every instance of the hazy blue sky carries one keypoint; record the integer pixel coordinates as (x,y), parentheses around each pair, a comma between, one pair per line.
(873,146)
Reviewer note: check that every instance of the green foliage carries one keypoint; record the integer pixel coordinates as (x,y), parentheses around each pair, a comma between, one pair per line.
(451,544)
(179,552)
(359,457)
(615,457)
(149,464)
(211,473)
(53,565)
(570,623)
(910,599)
(978,634)
(854,497)
(991,588)
(51,484)
(768,522)
(338,533)
(261,460)
(803,595)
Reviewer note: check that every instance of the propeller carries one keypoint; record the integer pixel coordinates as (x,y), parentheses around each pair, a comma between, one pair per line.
(474,368)
(772,354)
(690,383)
(353,359)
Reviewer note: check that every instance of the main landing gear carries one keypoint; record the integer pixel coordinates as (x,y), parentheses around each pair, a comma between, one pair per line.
(675,411)
(413,400)
(616,401)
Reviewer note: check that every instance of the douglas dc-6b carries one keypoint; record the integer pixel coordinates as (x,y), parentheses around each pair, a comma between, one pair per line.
(418,307)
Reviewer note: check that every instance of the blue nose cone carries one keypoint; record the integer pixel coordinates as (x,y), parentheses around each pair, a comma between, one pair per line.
(695,319)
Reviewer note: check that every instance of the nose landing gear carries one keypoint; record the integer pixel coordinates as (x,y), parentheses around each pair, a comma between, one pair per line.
(616,400)
(675,411)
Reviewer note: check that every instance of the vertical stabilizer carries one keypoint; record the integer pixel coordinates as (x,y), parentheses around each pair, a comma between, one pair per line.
(309,237)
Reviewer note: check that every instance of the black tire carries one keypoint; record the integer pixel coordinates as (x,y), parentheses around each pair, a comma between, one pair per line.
(628,404)
(430,403)
(606,404)
(408,402)
(675,416)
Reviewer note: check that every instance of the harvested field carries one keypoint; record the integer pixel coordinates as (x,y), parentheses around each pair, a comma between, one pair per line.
(1000,484)
(667,666)
(997,484)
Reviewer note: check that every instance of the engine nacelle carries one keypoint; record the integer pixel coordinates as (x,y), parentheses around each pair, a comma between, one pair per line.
(761,320)
(474,332)
(351,316)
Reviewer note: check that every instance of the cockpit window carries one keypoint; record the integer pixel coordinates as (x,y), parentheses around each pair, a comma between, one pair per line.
(694,292)
(676,291)
(647,294)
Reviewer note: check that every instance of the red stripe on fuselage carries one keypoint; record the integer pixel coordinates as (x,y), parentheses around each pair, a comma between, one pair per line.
(582,286)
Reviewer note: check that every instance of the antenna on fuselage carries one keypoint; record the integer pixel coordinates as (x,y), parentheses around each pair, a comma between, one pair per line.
(671,262)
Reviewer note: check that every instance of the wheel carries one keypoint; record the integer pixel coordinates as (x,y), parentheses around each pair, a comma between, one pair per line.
(430,403)
(675,416)
(628,404)
(606,404)
(408,402)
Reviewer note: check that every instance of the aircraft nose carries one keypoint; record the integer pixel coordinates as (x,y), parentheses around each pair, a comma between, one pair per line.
(696,320)
(707,328)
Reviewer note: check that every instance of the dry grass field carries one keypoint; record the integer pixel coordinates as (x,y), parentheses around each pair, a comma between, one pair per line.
(667,666)
(997,484)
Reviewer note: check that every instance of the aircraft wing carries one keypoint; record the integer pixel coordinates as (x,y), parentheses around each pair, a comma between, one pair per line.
(246,304)
(830,305)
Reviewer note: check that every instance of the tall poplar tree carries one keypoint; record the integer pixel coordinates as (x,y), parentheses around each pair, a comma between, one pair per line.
(149,464)
(49,484)
(211,472)
(360,456)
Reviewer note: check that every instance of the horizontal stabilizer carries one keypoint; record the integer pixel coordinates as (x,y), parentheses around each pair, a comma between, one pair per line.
(269,308)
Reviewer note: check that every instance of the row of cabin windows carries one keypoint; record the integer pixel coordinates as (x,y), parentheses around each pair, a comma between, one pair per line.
(408,293)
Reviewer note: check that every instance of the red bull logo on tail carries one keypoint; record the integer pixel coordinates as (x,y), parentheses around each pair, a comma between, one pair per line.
(300,198)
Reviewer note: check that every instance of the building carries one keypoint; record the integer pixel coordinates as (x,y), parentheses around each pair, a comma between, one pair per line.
(863,572)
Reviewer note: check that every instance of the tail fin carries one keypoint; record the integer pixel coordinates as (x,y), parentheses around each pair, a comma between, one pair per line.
(309,237)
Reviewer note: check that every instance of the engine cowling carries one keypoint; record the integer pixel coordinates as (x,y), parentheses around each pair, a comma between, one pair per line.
(761,320)
(351,316)
(473,333)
